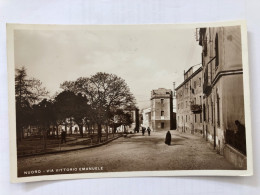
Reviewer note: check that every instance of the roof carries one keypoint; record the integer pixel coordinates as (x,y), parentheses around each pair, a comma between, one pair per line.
(189,78)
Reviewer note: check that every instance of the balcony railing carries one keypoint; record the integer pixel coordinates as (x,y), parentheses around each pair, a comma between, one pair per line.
(196,108)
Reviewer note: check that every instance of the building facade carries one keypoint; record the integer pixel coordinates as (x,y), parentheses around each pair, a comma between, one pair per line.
(210,101)
(162,109)
(223,102)
(189,102)
(147,120)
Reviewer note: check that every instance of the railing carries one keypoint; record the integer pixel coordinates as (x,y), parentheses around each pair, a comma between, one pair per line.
(34,146)
(196,108)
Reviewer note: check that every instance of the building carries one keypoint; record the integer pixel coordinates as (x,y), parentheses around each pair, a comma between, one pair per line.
(223,101)
(147,122)
(162,109)
(210,101)
(189,102)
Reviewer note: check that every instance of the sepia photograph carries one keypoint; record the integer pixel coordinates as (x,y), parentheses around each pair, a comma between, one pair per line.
(90,101)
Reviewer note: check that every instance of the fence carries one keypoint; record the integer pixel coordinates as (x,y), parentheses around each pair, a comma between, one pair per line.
(37,146)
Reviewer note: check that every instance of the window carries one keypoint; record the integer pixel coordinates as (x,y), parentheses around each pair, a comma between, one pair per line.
(218,116)
(162,113)
(162,125)
(216,51)
(162,101)
(208,111)
(199,82)
(202,59)
(186,119)
(195,118)
(212,112)
(204,112)
(205,49)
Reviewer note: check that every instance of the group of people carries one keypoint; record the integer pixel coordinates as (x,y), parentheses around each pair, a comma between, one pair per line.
(168,137)
(148,130)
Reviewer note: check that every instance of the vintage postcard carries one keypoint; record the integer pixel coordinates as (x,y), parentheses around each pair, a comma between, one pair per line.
(93,101)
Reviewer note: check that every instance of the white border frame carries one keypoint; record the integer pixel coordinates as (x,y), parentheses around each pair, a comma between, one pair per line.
(12,117)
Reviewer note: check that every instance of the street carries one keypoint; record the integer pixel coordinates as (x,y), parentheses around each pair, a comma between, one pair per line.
(133,153)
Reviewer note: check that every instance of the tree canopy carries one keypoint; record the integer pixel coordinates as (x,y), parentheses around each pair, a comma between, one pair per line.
(97,100)
(28,91)
(106,94)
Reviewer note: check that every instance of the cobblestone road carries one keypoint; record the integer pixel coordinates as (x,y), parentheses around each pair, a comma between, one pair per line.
(134,153)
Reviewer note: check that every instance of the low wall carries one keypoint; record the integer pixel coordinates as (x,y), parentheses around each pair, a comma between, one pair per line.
(235,157)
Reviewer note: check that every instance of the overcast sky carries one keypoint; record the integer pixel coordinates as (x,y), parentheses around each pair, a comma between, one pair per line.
(147,58)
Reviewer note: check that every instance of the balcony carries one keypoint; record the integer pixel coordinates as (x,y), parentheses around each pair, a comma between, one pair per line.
(195,108)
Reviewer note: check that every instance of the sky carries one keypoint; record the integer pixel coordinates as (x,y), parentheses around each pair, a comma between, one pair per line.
(146,57)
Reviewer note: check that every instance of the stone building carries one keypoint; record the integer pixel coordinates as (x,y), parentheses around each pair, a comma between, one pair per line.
(223,102)
(210,101)
(189,102)
(162,109)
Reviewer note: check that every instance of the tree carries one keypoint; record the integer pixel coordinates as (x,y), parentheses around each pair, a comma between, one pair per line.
(27,92)
(105,93)
(81,111)
(69,105)
(120,117)
(43,117)
(64,104)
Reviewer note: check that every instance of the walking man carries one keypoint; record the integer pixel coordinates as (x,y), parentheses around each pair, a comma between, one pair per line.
(149,130)
(143,130)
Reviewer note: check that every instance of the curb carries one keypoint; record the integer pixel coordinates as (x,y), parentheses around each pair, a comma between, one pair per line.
(69,150)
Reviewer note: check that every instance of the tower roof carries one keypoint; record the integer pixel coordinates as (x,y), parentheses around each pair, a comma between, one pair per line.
(161,93)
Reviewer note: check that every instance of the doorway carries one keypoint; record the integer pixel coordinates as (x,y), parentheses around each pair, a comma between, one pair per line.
(162,125)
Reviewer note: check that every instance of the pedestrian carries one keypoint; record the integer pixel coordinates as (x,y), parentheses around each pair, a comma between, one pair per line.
(168,138)
(63,136)
(143,130)
(149,131)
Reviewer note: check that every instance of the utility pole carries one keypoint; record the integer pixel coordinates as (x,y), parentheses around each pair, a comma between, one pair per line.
(174,121)
(174,98)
